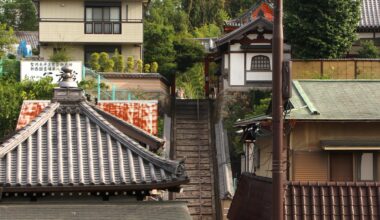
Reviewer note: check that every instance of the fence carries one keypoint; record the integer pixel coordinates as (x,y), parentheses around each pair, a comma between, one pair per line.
(336,69)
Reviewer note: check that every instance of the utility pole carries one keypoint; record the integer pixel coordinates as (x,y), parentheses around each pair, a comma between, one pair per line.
(277,114)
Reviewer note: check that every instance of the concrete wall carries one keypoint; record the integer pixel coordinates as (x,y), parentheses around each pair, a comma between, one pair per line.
(63,21)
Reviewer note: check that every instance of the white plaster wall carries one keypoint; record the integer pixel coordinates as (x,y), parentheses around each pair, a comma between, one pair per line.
(226,61)
(365,35)
(377,35)
(259,76)
(235,47)
(237,72)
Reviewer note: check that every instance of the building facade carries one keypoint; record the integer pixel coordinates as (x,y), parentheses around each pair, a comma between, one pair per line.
(331,133)
(84,27)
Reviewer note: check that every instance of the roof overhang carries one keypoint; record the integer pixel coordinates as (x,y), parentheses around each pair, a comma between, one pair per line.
(350,145)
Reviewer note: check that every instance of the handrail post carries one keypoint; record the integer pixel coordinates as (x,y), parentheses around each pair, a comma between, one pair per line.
(98,87)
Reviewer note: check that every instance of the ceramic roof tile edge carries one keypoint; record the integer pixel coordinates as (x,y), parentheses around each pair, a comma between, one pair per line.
(141,131)
(32,127)
(252,8)
(176,167)
(224,39)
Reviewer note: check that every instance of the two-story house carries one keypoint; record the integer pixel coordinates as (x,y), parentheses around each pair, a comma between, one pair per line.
(84,27)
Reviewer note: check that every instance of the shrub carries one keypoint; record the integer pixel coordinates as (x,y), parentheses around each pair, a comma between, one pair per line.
(130,64)
(154,67)
(94,61)
(118,59)
(147,68)
(140,66)
(368,50)
(109,65)
(60,55)
(103,59)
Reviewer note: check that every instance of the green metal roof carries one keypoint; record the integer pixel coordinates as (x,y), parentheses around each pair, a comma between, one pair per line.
(335,100)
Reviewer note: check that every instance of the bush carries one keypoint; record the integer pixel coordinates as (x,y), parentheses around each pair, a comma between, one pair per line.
(368,50)
(108,67)
(103,58)
(35,51)
(130,64)
(118,60)
(60,56)
(140,66)
(94,61)
(154,67)
(147,68)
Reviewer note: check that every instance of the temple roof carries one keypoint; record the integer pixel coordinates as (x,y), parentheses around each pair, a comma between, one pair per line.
(69,144)
(370,13)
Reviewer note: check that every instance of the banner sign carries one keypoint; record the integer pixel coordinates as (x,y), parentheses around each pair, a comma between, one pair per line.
(35,70)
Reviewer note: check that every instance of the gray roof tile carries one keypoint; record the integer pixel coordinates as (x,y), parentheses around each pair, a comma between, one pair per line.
(335,100)
(70,144)
(370,14)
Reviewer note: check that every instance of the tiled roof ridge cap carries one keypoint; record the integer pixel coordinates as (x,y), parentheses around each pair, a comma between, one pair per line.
(128,124)
(305,98)
(32,127)
(175,167)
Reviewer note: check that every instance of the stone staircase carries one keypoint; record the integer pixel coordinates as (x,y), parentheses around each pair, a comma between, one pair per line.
(192,140)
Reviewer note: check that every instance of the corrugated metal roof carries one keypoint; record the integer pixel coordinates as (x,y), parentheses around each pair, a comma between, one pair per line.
(31,37)
(72,145)
(335,100)
(370,14)
(97,210)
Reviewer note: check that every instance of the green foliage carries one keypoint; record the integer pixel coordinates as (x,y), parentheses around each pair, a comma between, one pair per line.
(154,67)
(147,68)
(94,61)
(321,29)
(12,93)
(7,38)
(240,106)
(118,59)
(368,50)
(188,53)
(19,14)
(207,30)
(130,64)
(192,82)
(103,59)
(140,65)
(11,69)
(108,65)
(60,55)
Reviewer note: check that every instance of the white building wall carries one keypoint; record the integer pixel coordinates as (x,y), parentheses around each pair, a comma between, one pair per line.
(237,71)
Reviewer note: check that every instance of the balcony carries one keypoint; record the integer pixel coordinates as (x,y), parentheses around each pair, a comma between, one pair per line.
(81,31)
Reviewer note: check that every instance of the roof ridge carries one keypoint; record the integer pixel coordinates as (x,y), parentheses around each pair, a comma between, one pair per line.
(305,98)
(32,127)
(170,165)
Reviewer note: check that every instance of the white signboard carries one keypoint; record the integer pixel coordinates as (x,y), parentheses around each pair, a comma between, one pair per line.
(35,70)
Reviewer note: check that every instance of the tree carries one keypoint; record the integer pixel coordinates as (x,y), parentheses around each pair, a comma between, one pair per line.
(368,50)
(7,38)
(147,68)
(12,93)
(19,14)
(321,29)
(108,65)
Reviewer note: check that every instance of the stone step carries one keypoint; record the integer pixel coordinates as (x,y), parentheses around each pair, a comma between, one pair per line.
(192,148)
(193,154)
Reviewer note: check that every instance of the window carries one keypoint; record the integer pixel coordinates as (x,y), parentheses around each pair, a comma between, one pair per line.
(358,166)
(103,20)
(260,62)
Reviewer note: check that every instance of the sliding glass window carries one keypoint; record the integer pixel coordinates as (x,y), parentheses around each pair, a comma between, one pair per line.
(103,20)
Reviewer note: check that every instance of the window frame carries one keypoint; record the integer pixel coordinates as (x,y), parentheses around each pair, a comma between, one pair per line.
(103,21)
(261,63)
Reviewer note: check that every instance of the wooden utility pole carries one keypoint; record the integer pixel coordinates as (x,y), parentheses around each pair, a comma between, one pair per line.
(277,108)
